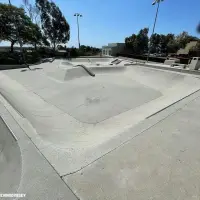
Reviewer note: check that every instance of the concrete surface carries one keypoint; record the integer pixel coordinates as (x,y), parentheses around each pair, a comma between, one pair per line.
(160,163)
(10,161)
(103,132)
(23,169)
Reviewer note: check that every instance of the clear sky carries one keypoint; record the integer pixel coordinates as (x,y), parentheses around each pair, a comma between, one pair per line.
(107,21)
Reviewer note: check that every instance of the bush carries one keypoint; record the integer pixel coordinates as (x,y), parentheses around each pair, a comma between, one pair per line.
(73,52)
(7,58)
(15,58)
(32,57)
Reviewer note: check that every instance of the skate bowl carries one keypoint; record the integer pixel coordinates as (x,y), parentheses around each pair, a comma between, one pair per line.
(75,122)
(92,60)
(95,61)
(79,71)
(10,161)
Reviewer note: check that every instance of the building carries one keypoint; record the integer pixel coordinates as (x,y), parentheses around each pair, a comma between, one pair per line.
(112,49)
(187,49)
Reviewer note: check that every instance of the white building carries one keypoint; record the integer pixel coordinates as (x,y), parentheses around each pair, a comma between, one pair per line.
(112,49)
(195,63)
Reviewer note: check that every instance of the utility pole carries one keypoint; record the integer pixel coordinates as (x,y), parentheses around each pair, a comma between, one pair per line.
(77,15)
(158,6)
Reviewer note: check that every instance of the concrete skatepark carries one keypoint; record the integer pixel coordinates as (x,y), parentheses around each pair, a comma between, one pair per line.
(99,128)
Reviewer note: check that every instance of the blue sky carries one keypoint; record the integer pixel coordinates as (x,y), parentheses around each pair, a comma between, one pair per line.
(107,21)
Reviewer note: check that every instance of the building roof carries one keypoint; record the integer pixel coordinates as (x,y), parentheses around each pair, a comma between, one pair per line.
(187,49)
(110,45)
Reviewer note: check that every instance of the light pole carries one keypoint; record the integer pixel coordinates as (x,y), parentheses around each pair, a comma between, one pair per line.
(158,6)
(77,15)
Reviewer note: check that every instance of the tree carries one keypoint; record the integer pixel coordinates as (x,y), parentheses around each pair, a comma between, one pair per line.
(88,50)
(155,42)
(54,24)
(198,28)
(163,44)
(32,11)
(34,36)
(172,44)
(17,27)
(141,43)
(138,43)
(11,20)
(170,37)
(129,42)
(184,38)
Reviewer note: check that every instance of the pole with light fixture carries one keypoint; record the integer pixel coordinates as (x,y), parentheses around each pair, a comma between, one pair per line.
(155,2)
(77,15)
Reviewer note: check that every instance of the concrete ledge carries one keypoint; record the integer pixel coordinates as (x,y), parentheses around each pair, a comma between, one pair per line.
(23,169)
(151,65)
(107,69)
(172,69)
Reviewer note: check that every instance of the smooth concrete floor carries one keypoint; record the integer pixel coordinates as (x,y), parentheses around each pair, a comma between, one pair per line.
(162,162)
(81,121)
(23,169)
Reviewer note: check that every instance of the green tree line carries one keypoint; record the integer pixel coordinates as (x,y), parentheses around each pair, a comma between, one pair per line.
(43,24)
(159,43)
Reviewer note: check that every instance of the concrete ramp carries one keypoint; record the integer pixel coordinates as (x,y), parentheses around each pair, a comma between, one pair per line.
(101,59)
(107,69)
(94,61)
(23,169)
(77,72)
(90,60)
(10,161)
(70,74)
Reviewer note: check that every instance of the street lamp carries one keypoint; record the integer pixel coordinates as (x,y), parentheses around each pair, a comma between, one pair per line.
(154,3)
(77,15)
